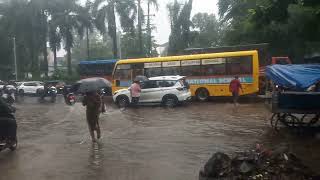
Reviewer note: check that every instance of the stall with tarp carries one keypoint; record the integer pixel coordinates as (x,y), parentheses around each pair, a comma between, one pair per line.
(296,95)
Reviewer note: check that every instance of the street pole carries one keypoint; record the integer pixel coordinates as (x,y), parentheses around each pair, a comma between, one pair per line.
(15,58)
(140,28)
(119,44)
(149,31)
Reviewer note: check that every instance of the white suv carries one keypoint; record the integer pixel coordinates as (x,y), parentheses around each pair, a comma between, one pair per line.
(167,90)
(32,87)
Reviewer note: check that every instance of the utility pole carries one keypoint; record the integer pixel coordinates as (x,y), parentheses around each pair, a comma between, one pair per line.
(149,31)
(15,58)
(140,28)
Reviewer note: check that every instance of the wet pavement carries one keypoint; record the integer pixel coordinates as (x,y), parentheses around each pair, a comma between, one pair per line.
(139,144)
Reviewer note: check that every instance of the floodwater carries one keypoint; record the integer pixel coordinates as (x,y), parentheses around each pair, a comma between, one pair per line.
(153,143)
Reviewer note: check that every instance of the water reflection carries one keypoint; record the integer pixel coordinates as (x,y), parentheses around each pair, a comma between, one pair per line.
(95,158)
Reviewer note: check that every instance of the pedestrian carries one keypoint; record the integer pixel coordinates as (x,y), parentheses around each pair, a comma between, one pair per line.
(234,88)
(92,101)
(135,91)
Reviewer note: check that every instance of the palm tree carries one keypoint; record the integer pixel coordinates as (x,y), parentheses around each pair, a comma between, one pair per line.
(69,19)
(105,13)
(149,41)
(54,41)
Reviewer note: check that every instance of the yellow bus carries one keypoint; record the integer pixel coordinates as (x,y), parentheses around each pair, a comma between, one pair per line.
(207,74)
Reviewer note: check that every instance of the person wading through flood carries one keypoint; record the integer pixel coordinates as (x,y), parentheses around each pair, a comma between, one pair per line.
(234,88)
(135,91)
(92,101)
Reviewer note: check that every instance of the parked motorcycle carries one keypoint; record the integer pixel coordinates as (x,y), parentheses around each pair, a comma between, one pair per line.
(8,127)
(51,92)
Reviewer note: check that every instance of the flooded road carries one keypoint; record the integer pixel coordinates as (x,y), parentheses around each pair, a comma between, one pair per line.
(138,144)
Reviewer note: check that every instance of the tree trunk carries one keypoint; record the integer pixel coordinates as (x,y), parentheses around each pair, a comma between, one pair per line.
(44,36)
(149,31)
(88,44)
(69,61)
(45,59)
(114,33)
(55,63)
(140,28)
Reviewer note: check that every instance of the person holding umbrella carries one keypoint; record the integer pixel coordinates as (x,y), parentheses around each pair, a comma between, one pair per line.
(92,101)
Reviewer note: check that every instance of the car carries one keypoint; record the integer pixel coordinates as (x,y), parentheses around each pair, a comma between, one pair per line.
(30,87)
(166,90)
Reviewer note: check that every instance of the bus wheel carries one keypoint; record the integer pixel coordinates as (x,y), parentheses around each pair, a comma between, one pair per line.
(202,94)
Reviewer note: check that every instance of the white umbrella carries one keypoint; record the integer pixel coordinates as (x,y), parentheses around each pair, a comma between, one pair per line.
(92,84)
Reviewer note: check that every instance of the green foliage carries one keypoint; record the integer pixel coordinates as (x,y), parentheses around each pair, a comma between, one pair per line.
(288,25)
(128,41)
(99,48)
(104,12)
(63,75)
(207,31)
(179,38)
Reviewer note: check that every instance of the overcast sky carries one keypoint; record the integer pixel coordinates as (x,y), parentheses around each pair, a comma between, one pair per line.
(161,20)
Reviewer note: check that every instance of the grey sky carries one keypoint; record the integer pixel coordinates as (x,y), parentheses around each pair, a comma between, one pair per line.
(161,19)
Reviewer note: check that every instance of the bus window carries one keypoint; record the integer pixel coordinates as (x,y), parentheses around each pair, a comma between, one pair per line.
(191,68)
(239,65)
(171,71)
(152,72)
(216,66)
(123,72)
(137,70)
(171,68)
(191,71)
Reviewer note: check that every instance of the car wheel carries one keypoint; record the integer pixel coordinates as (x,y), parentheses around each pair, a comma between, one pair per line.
(170,101)
(122,101)
(202,94)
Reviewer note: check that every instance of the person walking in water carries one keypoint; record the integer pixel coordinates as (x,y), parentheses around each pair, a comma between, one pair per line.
(135,91)
(92,101)
(234,88)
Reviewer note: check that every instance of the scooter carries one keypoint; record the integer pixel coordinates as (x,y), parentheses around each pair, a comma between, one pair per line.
(70,99)
(8,127)
(51,92)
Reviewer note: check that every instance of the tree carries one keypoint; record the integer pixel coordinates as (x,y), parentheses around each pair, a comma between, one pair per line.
(69,19)
(179,38)
(149,41)
(105,13)
(99,47)
(288,25)
(54,41)
(206,31)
